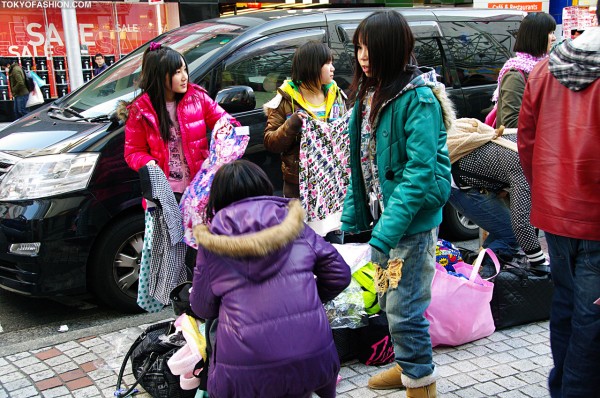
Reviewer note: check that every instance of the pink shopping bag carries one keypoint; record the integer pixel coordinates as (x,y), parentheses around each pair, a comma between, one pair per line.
(490,119)
(460,308)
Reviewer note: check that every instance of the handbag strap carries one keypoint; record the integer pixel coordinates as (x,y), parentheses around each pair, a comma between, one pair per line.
(479,260)
(147,363)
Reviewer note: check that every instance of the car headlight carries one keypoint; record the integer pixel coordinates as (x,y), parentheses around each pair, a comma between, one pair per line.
(43,176)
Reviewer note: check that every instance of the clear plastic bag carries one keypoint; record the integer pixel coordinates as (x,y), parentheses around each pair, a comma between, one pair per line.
(347,310)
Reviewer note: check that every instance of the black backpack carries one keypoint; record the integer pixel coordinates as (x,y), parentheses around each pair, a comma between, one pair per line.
(29,82)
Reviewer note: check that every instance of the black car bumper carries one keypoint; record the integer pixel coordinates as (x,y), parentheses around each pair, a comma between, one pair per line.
(65,227)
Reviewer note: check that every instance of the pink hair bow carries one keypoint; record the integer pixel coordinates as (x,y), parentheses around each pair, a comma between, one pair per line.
(155,46)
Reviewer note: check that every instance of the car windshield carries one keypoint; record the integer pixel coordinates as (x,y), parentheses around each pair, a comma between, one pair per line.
(100,96)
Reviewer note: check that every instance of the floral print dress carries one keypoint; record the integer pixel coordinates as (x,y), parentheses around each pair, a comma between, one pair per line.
(324,172)
(228,143)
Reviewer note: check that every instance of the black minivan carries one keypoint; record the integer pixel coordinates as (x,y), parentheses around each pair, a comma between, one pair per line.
(70,209)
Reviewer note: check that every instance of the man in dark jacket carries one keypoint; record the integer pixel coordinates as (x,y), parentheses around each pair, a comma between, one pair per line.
(18,87)
(560,159)
(101,65)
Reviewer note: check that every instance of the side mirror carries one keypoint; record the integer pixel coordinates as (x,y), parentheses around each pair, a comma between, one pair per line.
(236,99)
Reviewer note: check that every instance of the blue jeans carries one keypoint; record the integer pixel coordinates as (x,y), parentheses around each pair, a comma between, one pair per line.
(406,304)
(574,318)
(19,105)
(491,213)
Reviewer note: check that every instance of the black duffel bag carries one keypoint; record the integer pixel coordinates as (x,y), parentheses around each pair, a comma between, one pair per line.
(521,296)
(149,355)
(374,343)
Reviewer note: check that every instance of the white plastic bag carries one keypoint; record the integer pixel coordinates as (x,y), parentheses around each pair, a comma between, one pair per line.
(347,310)
(35,97)
(357,255)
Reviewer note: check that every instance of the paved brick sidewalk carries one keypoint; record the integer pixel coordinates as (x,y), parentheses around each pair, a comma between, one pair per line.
(511,363)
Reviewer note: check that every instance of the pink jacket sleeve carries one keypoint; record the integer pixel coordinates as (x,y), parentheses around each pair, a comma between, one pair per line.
(137,150)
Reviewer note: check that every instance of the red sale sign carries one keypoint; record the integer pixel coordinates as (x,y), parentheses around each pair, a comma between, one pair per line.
(36,37)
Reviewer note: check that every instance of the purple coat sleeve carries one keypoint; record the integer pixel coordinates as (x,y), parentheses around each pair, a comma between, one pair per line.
(202,299)
(333,273)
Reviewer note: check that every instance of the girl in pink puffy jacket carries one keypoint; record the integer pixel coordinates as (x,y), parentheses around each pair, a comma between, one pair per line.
(166,124)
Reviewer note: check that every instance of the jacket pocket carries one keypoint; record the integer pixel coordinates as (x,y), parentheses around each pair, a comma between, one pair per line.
(438,193)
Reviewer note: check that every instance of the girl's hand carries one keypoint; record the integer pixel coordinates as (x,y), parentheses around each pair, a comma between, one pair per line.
(297,120)
(302,115)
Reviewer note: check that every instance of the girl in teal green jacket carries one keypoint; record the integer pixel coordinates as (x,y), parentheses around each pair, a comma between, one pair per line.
(400,180)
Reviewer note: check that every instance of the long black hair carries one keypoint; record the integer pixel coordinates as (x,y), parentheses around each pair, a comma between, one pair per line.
(158,66)
(390,43)
(532,37)
(308,60)
(235,181)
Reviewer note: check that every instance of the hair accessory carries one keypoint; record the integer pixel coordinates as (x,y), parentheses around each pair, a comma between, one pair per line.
(155,46)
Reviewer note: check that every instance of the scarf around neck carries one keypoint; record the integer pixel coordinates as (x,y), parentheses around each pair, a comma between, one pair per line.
(523,62)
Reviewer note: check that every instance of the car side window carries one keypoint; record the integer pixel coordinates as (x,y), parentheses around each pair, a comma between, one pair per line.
(429,53)
(479,49)
(265,64)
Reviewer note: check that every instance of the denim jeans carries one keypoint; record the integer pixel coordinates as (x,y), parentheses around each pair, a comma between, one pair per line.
(574,318)
(491,213)
(19,105)
(406,304)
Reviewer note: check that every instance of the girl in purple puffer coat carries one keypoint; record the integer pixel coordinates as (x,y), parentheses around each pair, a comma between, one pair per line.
(265,275)
(166,124)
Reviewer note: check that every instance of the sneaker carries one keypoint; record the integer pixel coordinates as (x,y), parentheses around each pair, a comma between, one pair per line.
(540,270)
(387,380)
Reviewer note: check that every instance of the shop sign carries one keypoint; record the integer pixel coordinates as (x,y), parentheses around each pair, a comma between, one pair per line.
(526,6)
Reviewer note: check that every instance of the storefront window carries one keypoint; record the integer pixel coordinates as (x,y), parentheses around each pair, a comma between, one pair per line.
(35,38)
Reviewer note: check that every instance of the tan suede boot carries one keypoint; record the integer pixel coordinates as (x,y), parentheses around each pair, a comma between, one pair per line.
(422,392)
(387,380)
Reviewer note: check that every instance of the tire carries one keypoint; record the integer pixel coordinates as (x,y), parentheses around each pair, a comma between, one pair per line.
(115,264)
(456,227)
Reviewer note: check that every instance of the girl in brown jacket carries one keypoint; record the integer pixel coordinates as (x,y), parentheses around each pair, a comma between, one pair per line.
(311,92)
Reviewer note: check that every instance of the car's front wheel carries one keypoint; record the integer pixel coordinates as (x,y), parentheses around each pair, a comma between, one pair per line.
(456,227)
(115,265)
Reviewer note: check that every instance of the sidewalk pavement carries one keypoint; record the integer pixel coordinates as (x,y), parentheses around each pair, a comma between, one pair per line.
(510,363)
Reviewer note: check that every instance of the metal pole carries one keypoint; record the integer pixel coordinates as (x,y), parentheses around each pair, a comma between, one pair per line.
(70,27)
(159,19)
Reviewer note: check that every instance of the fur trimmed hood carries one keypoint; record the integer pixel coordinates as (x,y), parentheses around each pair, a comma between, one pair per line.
(290,93)
(426,76)
(122,111)
(253,233)
(447,105)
